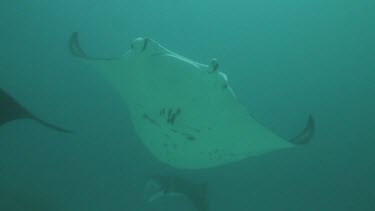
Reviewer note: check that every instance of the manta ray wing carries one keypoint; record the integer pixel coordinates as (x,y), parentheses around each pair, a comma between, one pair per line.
(11,110)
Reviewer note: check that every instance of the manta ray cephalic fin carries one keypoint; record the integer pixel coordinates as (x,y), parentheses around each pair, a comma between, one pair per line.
(306,134)
(77,51)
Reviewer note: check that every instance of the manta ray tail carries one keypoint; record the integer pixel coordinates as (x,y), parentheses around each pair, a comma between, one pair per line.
(305,136)
(11,110)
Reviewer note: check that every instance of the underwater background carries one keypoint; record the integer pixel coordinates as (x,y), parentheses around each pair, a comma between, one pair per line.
(284,60)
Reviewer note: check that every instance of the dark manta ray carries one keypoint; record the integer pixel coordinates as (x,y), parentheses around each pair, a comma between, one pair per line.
(11,110)
(159,186)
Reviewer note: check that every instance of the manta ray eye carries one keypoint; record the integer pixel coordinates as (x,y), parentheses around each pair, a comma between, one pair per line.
(139,44)
(214,65)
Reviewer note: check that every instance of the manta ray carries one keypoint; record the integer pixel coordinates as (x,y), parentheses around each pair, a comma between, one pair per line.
(11,110)
(164,186)
(185,112)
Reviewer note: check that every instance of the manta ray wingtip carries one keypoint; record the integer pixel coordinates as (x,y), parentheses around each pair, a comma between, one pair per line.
(52,126)
(306,135)
(11,109)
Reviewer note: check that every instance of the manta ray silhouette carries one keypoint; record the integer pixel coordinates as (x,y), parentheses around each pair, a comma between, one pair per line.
(11,110)
(161,186)
(185,112)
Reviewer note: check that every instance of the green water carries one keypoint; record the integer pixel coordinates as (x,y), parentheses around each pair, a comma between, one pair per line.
(284,60)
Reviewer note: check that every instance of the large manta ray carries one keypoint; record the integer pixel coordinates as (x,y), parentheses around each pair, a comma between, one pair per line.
(185,112)
(11,110)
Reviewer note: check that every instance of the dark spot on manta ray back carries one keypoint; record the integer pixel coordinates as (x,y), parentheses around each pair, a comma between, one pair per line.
(216,66)
(174,115)
(190,138)
(146,117)
(169,113)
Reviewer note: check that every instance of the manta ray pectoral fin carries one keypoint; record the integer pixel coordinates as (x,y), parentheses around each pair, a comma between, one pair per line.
(306,134)
(11,110)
